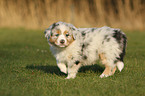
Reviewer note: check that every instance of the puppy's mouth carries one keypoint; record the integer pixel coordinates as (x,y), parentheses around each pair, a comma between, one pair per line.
(61,45)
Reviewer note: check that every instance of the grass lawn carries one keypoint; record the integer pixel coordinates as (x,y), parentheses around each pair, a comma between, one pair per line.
(27,68)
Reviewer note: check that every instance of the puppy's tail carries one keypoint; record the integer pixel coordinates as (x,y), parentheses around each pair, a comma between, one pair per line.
(120,65)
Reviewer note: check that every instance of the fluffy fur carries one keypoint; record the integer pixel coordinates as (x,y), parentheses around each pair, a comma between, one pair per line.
(83,46)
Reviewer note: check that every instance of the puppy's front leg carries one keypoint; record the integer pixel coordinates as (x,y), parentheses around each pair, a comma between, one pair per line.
(72,71)
(62,67)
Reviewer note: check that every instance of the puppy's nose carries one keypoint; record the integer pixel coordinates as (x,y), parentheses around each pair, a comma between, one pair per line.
(62,41)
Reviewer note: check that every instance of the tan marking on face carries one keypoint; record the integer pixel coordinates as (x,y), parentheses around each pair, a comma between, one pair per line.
(65,32)
(53,38)
(58,32)
(69,39)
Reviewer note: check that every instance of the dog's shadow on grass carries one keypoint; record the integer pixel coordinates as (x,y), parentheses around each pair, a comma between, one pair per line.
(50,69)
(55,70)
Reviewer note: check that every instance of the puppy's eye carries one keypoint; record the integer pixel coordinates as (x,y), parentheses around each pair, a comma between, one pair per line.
(57,35)
(67,35)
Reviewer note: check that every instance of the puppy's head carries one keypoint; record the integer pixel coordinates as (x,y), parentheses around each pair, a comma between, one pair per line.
(60,34)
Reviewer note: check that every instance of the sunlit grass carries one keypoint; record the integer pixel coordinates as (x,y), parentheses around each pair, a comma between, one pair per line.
(27,68)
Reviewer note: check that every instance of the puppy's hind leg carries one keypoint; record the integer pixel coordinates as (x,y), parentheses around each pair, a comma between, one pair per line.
(109,70)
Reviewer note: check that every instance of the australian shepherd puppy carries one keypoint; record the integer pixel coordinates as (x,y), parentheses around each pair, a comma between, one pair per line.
(75,47)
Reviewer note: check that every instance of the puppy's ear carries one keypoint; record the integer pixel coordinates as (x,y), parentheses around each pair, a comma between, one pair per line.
(73,30)
(47,32)
(54,25)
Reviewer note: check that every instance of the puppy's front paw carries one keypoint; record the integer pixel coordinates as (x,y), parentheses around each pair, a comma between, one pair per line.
(64,70)
(62,67)
(67,77)
(71,76)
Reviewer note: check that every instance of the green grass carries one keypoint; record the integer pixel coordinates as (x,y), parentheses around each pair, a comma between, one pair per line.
(27,68)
